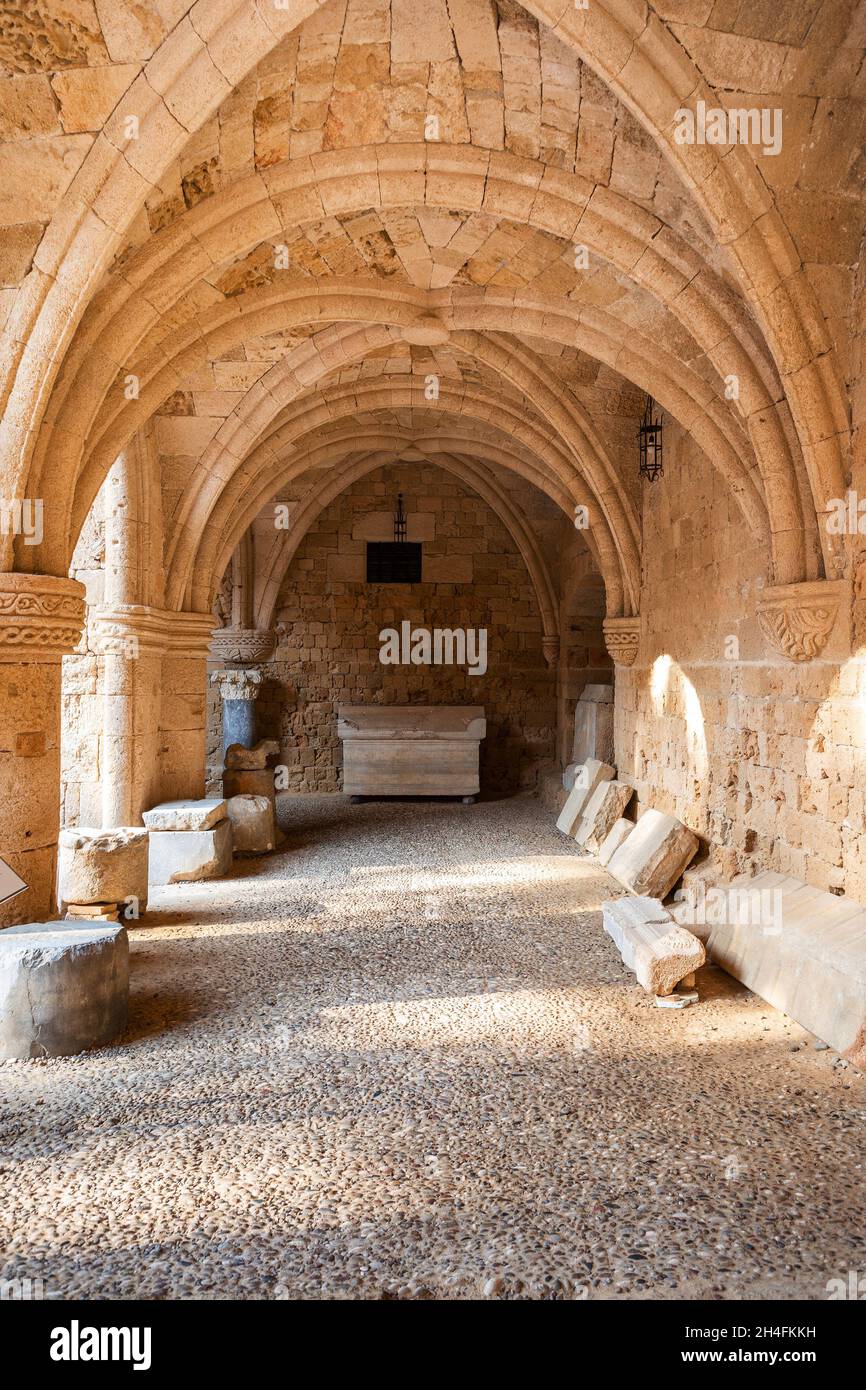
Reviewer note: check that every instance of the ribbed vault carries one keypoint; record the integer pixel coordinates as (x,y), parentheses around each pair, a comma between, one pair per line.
(143,274)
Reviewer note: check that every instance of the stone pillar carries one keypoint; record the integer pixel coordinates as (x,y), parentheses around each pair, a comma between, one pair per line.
(41,619)
(126,631)
(154,684)
(238,691)
(131,643)
(153,661)
(183,709)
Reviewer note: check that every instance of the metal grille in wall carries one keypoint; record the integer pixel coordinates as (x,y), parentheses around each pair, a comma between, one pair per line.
(393,562)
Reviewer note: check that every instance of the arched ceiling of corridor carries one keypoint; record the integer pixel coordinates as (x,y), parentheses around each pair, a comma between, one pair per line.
(304,128)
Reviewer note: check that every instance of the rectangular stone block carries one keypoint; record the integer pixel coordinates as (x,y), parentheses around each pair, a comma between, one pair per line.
(411,750)
(594,772)
(252,822)
(798,947)
(186,856)
(593,725)
(102,866)
(186,815)
(660,952)
(653,856)
(604,807)
(619,831)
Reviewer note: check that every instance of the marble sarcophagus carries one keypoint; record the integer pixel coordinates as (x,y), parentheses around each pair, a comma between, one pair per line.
(411,750)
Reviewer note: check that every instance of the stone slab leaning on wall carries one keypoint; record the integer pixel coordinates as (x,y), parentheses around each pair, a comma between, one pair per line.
(654,855)
(594,772)
(603,810)
(798,947)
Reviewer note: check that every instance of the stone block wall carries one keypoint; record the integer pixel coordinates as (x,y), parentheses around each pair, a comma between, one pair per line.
(763,758)
(473,576)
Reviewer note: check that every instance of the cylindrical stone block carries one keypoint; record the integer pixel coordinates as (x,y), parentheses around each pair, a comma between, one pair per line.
(64,987)
(252,819)
(103,866)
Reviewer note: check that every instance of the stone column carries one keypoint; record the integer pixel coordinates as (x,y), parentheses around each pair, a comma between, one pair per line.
(41,619)
(238,691)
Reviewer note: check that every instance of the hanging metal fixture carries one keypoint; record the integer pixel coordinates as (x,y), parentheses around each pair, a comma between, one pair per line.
(650,442)
(399,519)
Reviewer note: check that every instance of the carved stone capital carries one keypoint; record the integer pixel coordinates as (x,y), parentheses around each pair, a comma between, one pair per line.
(621,637)
(550,650)
(133,630)
(796,619)
(242,644)
(237,685)
(41,617)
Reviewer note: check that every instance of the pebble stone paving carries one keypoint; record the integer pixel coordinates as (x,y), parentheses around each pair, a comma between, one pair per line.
(399,1059)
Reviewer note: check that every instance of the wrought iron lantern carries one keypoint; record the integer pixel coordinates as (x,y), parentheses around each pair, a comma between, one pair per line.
(399,519)
(650,442)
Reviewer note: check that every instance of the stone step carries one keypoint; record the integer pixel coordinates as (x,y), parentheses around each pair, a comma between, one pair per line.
(252,821)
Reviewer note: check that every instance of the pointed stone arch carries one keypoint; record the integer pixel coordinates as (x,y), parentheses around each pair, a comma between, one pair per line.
(478,477)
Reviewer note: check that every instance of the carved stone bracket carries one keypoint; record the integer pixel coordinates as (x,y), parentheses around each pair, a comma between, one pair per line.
(796,619)
(550,650)
(248,644)
(136,630)
(621,637)
(41,617)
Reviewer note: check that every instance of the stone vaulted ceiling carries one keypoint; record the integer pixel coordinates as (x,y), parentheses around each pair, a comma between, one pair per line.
(318,208)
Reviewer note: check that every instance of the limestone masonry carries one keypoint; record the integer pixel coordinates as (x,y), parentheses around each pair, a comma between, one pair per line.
(415,410)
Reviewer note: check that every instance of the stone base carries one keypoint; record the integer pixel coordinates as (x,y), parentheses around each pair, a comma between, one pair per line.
(240,758)
(252,822)
(187,856)
(64,987)
(102,866)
